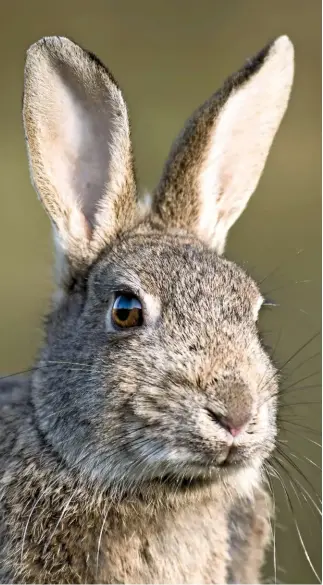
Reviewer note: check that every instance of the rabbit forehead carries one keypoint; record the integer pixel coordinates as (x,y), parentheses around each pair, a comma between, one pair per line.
(172,268)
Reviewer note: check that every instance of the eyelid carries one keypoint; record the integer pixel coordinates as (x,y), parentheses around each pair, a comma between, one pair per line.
(125,289)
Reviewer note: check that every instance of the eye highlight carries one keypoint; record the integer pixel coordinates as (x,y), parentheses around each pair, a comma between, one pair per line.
(126,311)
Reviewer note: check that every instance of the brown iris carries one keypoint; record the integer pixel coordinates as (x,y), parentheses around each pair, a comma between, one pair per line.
(126,311)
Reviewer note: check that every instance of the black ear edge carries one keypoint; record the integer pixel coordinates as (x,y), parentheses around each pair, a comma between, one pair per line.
(246,72)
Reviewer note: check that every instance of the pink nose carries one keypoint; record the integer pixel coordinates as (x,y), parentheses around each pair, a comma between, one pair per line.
(235,431)
(234,425)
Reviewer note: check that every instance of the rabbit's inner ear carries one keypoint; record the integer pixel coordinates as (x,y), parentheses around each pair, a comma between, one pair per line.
(77,141)
(79,147)
(216,163)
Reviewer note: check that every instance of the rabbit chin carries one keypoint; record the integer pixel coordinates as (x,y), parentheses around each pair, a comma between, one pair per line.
(235,480)
(173,473)
(243,477)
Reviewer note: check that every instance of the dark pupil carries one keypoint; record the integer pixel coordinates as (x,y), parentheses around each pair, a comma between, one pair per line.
(122,314)
(127,311)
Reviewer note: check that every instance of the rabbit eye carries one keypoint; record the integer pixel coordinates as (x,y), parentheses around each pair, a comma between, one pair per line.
(126,311)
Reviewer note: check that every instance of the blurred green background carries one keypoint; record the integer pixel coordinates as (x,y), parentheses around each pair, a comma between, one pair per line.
(169,56)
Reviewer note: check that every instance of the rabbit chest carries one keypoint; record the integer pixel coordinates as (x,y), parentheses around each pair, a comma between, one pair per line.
(53,540)
(189,546)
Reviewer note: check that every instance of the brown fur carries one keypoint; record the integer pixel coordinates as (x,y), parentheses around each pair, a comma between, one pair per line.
(116,463)
(66,532)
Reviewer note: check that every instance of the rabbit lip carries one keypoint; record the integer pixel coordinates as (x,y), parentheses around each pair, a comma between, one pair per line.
(233,458)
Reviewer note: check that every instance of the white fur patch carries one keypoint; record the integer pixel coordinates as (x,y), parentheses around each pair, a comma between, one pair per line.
(257,307)
(145,204)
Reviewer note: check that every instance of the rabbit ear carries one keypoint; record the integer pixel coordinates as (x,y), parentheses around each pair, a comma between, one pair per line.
(78,141)
(216,163)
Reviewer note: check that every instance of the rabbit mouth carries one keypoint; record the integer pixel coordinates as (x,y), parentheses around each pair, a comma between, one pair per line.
(198,479)
(234,458)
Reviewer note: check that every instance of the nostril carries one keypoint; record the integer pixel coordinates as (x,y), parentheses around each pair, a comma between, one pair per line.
(233,425)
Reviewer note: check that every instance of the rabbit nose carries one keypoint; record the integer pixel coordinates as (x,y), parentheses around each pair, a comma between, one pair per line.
(233,424)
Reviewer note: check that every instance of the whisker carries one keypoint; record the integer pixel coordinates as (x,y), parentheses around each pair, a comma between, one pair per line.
(18,373)
(297,352)
(308,403)
(49,364)
(292,484)
(303,489)
(307,459)
(317,354)
(273,525)
(299,457)
(274,271)
(58,522)
(99,541)
(288,285)
(297,388)
(295,466)
(302,380)
(27,524)
(290,422)
(296,525)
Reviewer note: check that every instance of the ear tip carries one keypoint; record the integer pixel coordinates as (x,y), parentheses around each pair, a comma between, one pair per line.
(50,41)
(282,51)
(284,47)
(50,44)
(281,55)
(283,41)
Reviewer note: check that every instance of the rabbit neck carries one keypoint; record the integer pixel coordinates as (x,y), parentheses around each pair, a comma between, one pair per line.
(59,530)
(63,532)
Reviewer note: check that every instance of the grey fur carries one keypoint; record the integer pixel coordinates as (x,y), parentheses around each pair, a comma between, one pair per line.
(112,449)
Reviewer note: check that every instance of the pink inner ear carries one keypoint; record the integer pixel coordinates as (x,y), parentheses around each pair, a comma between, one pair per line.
(79,226)
(239,143)
(77,143)
(79,147)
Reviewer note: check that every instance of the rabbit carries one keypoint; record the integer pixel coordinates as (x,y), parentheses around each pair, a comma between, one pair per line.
(134,450)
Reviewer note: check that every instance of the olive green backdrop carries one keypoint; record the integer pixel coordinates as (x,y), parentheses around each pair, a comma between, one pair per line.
(168,57)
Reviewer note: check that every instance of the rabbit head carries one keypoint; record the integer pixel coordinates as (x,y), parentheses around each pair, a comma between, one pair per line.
(152,369)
